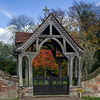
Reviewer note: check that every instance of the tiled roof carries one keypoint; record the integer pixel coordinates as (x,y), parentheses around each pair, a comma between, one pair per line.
(74,37)
(23,37)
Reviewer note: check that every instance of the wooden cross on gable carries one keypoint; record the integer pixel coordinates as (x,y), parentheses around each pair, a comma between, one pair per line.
(46,10)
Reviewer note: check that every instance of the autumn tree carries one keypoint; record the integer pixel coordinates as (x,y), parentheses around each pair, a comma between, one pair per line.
(44,61)
(64,69)
(85,23)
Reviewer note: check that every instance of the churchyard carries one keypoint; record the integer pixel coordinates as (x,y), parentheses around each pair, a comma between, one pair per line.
(57,59)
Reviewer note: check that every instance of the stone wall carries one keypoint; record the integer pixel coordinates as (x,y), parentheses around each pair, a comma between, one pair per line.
(25,92)
(91,87)
(8,86)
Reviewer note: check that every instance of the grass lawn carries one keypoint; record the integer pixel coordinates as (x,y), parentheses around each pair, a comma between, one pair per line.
(91,98)
(86,98)
(46,82)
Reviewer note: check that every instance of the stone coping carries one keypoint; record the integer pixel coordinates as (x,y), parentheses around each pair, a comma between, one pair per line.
(8,77)
(92,75)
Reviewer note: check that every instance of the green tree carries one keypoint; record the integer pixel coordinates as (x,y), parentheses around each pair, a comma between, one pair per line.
(7,60)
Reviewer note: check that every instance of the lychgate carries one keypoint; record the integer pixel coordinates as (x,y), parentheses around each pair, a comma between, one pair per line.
(49,32)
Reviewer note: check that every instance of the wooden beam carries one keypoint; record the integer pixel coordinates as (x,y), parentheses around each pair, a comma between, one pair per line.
(50,36)
(50,28)
(64,44)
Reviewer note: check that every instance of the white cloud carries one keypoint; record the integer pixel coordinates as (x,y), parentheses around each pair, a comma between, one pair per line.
(98,4)
(2,31)
(6,13)
(8,33)
(4,35)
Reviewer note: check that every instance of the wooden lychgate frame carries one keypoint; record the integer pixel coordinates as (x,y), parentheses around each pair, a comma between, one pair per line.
(51,30)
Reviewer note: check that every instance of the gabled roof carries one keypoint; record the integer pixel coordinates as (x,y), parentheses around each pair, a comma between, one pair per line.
(28,38)
(21,37)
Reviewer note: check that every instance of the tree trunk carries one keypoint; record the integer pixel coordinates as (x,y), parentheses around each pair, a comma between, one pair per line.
(45,73)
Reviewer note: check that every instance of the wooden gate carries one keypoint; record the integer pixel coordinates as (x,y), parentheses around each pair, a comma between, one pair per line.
(51,85)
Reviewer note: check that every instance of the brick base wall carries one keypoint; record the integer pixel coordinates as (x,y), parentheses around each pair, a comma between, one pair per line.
(74,91)
(91,87)
(8,86)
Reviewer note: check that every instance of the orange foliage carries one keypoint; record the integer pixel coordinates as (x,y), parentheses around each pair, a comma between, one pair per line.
(45,61)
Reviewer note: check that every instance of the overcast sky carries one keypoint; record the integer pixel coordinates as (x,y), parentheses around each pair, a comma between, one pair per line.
(31,8)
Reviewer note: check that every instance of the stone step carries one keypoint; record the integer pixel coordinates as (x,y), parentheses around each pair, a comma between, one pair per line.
(49,96)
